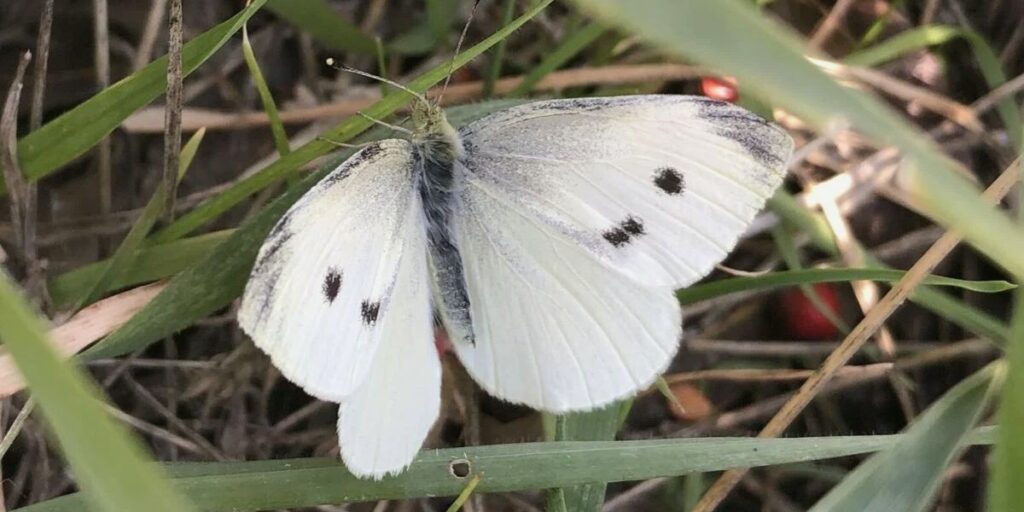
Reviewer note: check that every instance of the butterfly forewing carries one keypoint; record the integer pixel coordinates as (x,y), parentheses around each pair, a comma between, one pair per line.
(324,281)
(656,187)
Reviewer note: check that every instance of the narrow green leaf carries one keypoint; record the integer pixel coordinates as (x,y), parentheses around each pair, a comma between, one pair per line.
(599,425)
(729,285)
(497,55)
(1006,494)
(74,132)
(267,99)
(318,19)
(568,48)
(124,255)
(108,462)
(149,264)
(902,44)
(344,131)
(769,60)
(906,475)
(295,483)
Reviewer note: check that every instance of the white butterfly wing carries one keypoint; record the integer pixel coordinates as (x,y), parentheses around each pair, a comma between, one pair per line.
(657,187)
(577,218)
(324,282)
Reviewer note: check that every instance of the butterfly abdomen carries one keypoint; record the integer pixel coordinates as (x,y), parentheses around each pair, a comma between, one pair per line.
(437,156)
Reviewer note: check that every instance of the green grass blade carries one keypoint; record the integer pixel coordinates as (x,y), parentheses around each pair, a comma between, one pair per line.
(1005,491)
(902,44)
(570,47)
(149,264)
(109,464)
(79,129)
(124,255)
(772,65)
(344,131)
(770,280)
(906,475)
(497,55)
(599,425)
(295,483)
(267,99)
(318,19)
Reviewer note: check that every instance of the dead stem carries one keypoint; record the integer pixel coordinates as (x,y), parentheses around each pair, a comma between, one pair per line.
(172,110)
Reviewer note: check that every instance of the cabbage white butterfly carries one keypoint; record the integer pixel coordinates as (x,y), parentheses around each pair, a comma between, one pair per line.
(547,238)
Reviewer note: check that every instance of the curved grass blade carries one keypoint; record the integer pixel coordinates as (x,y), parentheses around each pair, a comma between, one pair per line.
(295,483)
(267,99)
(772,66)
(74,132)
(906,475)
(699,292)
(108,462)
(318,19)
(344,131)
(1004,491)
(124,255)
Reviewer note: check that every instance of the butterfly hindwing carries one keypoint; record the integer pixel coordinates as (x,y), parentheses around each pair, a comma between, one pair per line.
(324,282)
(577,219)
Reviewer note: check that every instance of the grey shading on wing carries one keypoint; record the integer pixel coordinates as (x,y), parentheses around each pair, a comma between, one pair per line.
(321,289)
(578,218)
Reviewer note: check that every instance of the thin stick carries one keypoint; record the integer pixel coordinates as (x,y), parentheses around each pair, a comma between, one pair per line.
(172,111)
(101,40)
(853,342)
(150,120)
(829,24)
(149,34)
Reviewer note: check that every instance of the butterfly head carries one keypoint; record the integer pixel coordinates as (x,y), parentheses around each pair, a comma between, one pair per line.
(433,129)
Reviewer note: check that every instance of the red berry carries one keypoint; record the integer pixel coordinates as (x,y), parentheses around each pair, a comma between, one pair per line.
(720,88)
(804,321)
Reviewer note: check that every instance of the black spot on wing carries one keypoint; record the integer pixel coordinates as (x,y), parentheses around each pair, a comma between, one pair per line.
(623,233)
(758,137)
(369,311)
(617,236)
(332,284)
(669,180)
(633,226)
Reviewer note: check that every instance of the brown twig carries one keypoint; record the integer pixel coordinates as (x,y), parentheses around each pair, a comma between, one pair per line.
(101,40)
(172,110)
(860,334)
(149,120)
(87,326)
(829,24)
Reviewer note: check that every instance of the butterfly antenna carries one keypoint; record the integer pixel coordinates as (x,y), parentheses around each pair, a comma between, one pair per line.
(458,47)
(341,67)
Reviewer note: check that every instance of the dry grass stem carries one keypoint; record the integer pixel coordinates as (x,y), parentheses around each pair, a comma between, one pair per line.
(149,120)
(172,110)
(81,330)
